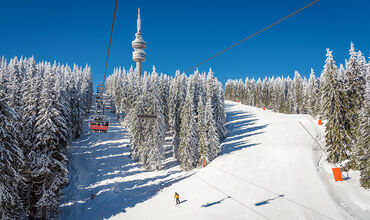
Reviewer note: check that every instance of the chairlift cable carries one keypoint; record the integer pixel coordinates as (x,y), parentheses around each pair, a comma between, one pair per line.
(92,125)
(110,41)
(312,3)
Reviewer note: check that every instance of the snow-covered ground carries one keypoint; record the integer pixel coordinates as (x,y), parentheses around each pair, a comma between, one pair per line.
(100,164)
(270,168)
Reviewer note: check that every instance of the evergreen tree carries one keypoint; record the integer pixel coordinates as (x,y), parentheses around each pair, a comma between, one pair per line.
(155,129)
(201,126)
(265,99)
(30,101)
(48,162)
(298,93)
(11,161)
(354,85)
(312,93)
(211,139)
(176,103)
(15,83)
(362,150)
(188,135)
(337,134)
(258,93)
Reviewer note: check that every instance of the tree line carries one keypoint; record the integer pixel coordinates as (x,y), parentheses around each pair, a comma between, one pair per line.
(341,96)
(190,108)
(42,106)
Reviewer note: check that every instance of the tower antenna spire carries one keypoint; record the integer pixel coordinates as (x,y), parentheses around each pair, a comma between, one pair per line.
(138,21)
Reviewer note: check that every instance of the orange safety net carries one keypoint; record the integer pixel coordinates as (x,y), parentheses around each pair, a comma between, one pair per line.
(337,174)
(319,122)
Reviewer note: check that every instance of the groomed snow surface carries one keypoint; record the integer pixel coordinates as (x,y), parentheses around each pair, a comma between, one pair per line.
(270,168)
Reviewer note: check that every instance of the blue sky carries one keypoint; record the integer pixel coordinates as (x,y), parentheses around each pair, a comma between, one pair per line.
(181,34)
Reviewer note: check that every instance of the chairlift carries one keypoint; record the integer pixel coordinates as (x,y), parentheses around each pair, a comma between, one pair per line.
(99,123)
(147,116)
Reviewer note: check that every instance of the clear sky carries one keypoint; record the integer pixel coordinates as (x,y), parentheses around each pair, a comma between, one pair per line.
(181,34)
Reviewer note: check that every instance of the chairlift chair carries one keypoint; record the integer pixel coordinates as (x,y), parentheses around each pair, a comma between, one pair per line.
(147,116)
(99,123)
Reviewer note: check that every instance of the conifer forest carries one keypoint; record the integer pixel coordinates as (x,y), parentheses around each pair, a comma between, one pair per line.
(191,108)
(43,107)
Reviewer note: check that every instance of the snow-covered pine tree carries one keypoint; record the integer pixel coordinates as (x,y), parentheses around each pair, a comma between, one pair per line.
(354,86)
(228,86)
(135,127)
(30,101)
(187,151)
(337,135)
(16,76)
(220,118)
(312,93)
(214,91)
(201,127)
(154,129)
(86,88)
(356,91)
(3,79)
(258,94)
(31,105)
(164,98)
(284,100)
(297,93)
(271,92)
(362,151)
(76,106)
(118,91)
(176,102)
(48,162)
(321,103)
(246,94)
(252,92)
(147,135)
(275,99)
(11,161)
(212,146)
(265,99)
(239,87)
(341,72)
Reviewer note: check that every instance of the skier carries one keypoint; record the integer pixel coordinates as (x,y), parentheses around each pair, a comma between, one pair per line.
(177,197)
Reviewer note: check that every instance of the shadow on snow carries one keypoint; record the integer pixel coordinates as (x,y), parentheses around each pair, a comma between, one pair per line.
(268,200)
(215,203)
(106,171)
(240,125)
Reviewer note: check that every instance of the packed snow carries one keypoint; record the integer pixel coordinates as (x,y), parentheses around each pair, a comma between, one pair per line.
(270,168)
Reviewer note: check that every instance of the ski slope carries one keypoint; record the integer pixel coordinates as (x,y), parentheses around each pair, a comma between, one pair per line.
(99,164)
(270,168)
